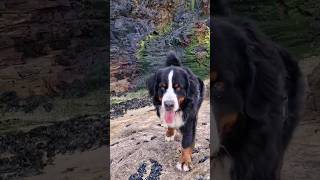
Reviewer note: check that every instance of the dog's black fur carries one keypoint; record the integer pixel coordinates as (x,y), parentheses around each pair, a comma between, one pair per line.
(260,82)
(192,90)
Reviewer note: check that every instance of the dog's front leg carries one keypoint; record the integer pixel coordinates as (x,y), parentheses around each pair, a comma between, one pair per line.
(188,136)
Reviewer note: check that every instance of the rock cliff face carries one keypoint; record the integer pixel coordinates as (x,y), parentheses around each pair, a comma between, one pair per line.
(130,22)
(49,47)
(134,24)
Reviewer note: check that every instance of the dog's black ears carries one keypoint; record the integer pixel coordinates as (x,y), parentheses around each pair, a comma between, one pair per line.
(263,86)
(191,89)
(150,83)
(192,86)
(255,106)
(202,87)
(152,87)
(172,59)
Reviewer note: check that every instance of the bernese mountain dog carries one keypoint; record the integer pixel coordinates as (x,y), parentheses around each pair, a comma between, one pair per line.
(177,96)
(257,94)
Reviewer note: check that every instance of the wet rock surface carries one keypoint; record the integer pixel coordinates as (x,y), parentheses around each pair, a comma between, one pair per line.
(138,148)
(26,154)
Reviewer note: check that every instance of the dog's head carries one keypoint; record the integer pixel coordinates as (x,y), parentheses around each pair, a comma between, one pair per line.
(245,74)
(171,88)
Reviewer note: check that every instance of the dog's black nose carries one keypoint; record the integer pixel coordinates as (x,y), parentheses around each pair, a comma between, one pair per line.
(169,105)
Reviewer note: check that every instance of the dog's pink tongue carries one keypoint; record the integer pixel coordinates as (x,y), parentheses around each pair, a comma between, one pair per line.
(169,116)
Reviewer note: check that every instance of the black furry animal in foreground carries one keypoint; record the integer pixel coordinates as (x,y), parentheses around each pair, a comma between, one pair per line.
(177,95)
(257,95)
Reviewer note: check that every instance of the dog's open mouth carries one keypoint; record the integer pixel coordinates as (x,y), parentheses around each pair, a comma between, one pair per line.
(169,116)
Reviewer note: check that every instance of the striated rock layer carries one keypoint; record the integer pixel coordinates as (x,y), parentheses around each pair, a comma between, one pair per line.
(48,47)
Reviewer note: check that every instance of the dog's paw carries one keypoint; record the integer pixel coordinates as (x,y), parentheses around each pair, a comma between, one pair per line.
(184,163)
(170,134)
(185,166)
(168,139)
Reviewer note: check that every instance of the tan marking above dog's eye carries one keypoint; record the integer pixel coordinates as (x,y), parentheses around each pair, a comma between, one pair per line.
(163,85)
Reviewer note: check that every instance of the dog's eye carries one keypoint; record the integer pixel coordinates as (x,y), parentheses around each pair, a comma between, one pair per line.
(162,89)
(218,86)
(163,86)
(177,87)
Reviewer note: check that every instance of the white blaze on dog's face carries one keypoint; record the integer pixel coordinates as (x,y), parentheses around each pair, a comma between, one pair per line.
(170,95)
(170,108)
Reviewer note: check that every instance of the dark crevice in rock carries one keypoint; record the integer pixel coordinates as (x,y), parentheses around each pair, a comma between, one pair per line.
(120,109)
